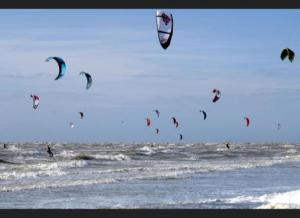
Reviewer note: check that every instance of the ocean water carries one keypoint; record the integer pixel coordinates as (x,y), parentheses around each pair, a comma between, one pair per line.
(150,175)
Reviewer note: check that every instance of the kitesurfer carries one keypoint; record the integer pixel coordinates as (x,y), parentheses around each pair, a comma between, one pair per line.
(157,130)
(181,137)
(49,151)
(227,145)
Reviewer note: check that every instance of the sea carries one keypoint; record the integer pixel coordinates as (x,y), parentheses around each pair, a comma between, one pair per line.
(150,175)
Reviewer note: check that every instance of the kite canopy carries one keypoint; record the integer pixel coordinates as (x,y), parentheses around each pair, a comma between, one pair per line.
(61,65)
(148,122)
(217,95)
(278,126)
(72,125)
(36,101)
(164,24)
(88,78)
(247,121)
(157,112)
(174,120)
(287,53)
(204,114)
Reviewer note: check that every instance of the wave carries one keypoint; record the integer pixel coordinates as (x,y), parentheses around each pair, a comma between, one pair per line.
(7,162)
(13,148)
(40,169)
(65,153)
(189,201)
(73,156)
(153,169)
(222,149)
(165,164)
(54,184)
(117,157)
(288,146)
(32,174)
(286,200)
(83,157)
(291,151)
(56,165)
(146,150)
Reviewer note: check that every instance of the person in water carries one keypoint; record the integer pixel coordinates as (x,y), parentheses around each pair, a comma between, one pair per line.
(49,151)
(5,146)
(227,145)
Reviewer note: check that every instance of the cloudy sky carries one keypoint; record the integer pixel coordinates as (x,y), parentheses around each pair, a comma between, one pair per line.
(236,51)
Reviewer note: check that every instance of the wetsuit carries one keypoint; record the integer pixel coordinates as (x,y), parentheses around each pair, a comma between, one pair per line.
(49,151)
(227,145)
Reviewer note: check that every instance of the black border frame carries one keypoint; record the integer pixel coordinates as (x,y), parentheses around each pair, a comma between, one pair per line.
(139,4)
(146,4)
(153,213)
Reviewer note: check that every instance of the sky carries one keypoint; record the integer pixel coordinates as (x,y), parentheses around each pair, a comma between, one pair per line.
(236,51)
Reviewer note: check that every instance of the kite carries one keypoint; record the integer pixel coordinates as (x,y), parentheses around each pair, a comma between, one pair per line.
(164,24)
(36,101)
(204,114)
(157,112)
(287,53)
(148,122)
(217,95)
(247,121)
(88,78)
(61,65)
